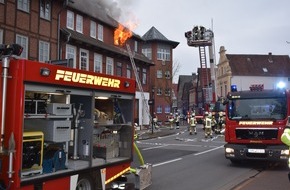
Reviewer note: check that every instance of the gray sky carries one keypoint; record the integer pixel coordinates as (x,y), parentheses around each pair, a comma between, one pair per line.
(242,26)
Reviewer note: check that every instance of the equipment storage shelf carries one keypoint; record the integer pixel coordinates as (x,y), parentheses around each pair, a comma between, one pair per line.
(112,142)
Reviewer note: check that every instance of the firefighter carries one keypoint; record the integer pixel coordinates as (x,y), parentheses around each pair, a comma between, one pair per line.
(155,120)
(177,120)
(285,138)
(171,120)
(208,126)
(220,123)
(192,124)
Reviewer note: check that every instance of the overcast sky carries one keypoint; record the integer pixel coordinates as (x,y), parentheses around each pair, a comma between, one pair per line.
(242,26)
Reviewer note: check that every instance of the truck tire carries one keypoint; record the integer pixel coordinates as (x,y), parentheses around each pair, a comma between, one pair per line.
(85,182)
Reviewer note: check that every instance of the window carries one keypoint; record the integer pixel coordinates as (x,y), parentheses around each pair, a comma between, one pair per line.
(159,109)
(23,41)
(70,20)
(167,109)
(98,60)
(45,9)
(119,69)
(71,54)
(147,52)
(226,88)
(109,66)
(167,74)
(144,76)
(1,36)
(93,29)
(43,51)
(159,74)
(79,24)
(159,91)
(129,71)
(84,59)
(163,52)
(23,5)
(136,46)
(167,92)
(100,32)
(138,72)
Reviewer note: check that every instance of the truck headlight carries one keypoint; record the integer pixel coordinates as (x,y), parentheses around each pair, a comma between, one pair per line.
(229,150)
(285,152)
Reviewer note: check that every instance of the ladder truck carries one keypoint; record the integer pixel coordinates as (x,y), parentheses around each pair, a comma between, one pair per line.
(201,37)
(62,127)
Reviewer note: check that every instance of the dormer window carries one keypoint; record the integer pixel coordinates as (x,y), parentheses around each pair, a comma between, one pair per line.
(265,69)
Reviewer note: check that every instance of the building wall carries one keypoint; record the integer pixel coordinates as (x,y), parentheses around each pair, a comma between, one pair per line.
(30,25)
(244,82)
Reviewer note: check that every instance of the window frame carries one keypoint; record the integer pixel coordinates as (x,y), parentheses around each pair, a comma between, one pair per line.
(84,58)
(68,53)
(24,53)
(93,29)
(100,32)
(158,109)
(79,23)
(159,74)
(129,71)
(70,20)
(98,62)
(144,76)
(23,5)
(45,14)
(109,66)
(163,53)
(119,69)
(43,53)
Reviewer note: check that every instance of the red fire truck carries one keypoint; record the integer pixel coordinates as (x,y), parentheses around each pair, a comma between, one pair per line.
(62,128)
(255,120)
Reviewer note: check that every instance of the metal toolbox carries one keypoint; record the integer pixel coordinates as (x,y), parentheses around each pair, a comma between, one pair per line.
(53,130)
(59,109)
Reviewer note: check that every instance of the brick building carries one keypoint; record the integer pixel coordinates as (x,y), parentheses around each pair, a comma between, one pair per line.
(159,50)
(78,33)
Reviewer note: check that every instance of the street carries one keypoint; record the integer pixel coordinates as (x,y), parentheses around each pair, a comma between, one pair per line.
(183,161)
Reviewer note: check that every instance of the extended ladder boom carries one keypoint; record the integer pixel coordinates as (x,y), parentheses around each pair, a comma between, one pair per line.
(138,81)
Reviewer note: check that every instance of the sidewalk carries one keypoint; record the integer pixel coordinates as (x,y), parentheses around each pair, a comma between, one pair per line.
(145,133)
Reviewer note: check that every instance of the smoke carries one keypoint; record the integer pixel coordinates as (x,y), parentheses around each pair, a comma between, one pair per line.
(120,10)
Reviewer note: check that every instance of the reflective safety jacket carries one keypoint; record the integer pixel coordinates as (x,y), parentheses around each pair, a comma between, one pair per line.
(285,138)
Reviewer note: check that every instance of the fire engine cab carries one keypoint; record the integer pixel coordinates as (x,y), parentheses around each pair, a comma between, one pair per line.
(255,121)
(62,128)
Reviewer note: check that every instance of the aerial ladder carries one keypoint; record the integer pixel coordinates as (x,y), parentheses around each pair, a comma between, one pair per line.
(139,82)
(201,37)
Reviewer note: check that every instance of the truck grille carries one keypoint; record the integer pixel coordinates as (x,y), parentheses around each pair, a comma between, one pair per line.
(257,134)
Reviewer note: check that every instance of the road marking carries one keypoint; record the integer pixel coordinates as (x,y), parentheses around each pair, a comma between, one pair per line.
(208,150)
(155,147)
(166,162)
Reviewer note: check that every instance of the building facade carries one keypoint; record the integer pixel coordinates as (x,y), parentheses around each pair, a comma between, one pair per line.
(244,70)
(159,50)
(77,34)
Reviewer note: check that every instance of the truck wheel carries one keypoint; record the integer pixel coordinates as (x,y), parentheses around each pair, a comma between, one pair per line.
(85,182)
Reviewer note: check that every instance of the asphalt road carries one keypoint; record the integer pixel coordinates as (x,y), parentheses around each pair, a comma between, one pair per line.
(182,161)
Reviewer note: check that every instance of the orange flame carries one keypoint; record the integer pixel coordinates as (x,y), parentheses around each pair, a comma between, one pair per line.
(121,34)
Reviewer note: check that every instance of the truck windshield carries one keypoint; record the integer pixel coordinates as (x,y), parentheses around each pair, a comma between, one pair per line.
(253,109)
